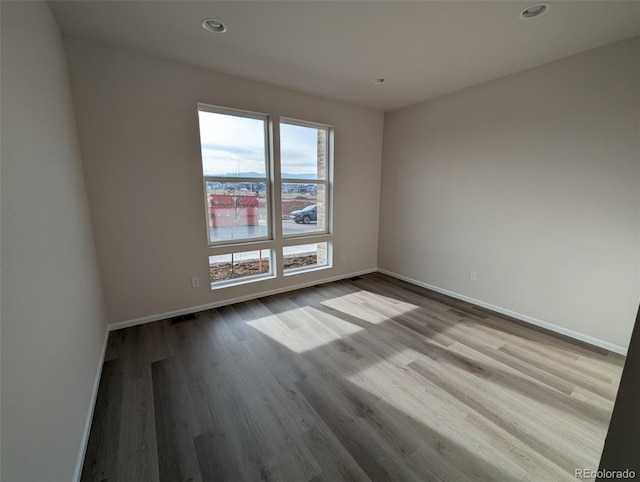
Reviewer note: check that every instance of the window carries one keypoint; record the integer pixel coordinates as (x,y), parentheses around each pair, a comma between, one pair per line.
(304,155)
(301,257)
(236,171)
(239,266)
(240,191)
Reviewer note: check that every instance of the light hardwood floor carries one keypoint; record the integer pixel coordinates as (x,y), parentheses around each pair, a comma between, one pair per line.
(365,379)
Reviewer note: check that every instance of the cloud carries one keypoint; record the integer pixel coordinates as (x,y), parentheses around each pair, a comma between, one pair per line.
(298,149)
(233,144)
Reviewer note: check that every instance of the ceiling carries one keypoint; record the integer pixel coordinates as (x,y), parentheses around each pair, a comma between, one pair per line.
(334,48)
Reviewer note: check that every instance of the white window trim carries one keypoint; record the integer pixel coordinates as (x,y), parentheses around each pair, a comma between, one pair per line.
(275,241)
(247,279)
(315,267)
(327,181)
(267,180)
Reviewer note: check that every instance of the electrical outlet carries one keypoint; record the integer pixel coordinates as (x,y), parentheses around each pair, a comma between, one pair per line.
(474,276)
(195,282)
(343,257)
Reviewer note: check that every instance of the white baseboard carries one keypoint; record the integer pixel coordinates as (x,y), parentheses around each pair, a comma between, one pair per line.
(229,301)
(92,405)
(519,316)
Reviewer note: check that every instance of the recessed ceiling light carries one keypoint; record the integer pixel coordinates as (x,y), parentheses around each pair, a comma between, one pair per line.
(214,25)
(534,11)
(379,80)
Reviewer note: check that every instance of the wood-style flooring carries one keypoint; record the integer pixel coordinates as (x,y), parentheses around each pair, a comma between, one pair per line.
(363,379)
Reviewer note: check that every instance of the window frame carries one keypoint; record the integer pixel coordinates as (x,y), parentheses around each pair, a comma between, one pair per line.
(306,269)
(327,181)
(275,241)
(269,199)
(254,278)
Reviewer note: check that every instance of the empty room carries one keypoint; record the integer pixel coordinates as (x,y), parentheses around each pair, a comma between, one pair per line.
(319,240)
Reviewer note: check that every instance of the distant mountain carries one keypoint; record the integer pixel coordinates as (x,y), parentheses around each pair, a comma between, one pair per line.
(286,175)
(310,176)
(242,174)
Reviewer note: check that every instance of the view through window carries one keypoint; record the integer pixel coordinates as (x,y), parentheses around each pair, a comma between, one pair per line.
(237,176)
(303,172)
(235,167)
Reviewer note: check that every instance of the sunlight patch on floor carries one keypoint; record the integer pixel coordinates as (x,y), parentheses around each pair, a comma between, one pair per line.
(360,305)
(305,337)
(444,421)
(335,324)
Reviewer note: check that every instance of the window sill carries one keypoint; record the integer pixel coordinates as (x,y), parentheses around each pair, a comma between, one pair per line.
(216,285)
(294,271)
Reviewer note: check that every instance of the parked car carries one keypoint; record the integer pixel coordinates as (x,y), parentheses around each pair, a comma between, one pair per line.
(306,215)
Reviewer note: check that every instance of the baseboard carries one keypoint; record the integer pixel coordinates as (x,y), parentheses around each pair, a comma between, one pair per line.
(229,301)
(92,405)
(519,316)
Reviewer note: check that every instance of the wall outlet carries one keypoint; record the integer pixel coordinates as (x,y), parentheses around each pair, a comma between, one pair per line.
(343,257)
(474,276)
(195,282)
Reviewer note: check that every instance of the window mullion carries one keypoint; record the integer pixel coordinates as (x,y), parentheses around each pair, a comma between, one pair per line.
(276,195)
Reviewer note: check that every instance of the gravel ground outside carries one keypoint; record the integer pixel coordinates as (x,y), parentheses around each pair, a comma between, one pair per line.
(225,271)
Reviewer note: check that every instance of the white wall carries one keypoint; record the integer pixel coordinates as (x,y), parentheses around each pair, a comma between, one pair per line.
(53,321)
(137,120)
(532,181)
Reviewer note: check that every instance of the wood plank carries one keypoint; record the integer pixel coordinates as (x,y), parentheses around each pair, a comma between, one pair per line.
(137,449)
(100,462)
(335,461)
(376,458)
(216,460)
(175,423)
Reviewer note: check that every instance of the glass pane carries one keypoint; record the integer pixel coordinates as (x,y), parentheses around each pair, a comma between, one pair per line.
(303,152)
(303,208)
(225,267)
(232,146)
(305,256)
(237,210)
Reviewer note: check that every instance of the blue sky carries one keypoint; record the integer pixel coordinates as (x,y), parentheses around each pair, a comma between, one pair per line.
(233,144)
